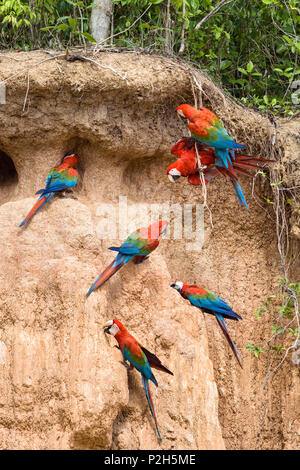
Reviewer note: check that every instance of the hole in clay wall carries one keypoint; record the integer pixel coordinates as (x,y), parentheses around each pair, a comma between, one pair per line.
(8,178)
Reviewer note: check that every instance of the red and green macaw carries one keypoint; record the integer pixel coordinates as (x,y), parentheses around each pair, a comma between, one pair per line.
(210,303)
(139,358)
(207,128)
(187,165)
(60,180)
(138,245)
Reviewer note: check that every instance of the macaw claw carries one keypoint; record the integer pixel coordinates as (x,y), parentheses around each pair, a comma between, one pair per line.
(124,363)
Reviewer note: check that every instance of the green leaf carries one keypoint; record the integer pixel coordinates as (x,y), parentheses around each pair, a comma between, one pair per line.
(62,27)
(250,66)
(224,64)
(242,71)
(48,27)
(89,37)
(73,23)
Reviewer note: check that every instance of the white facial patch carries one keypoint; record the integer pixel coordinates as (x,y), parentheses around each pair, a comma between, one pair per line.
(114,329)
(178,285)
(174,172)
(180,112)
(164,229)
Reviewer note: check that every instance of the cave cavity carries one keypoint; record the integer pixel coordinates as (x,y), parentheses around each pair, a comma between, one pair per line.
(8,178)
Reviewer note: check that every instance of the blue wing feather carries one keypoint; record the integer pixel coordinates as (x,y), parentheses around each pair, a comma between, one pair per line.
(215,305)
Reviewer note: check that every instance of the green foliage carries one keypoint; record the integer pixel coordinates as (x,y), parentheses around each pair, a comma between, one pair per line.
(264,307)
(280,306)
(71,26)
(250,47)
(44,23)
(255,349)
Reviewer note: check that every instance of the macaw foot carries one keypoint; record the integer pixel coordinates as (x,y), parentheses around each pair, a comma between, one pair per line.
(128,366)
(69,191)
(62,195)
(202,168)
(125,365)
(140,259)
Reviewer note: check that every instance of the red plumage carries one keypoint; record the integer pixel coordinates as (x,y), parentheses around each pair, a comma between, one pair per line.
(187,163)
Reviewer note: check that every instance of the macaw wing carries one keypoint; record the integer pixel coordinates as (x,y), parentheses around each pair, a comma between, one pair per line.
(216,136)
(224,139)
(133,245)
(212,303)
(139,361)
(209,174)
(62,180)
(154,361)
(58,181)
(51,178)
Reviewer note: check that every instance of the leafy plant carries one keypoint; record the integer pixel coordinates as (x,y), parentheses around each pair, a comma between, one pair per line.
(282,307)
(255,349)
(26,24)
(250,47)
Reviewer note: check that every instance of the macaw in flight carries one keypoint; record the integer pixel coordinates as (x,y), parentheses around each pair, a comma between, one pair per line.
(210,303)
(60,180)
(139,358)
(187,165)
(138,246)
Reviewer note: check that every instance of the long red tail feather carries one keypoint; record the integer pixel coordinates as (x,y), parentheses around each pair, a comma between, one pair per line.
(39,203)
(107,274)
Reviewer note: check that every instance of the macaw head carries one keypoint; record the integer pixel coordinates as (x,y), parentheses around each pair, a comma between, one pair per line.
(186,111)
(156,229)
(190,113)
(112,327)
(177,285)
(71,160)
(173,173)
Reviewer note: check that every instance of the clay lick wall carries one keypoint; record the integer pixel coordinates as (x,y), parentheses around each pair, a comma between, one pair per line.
(61,381)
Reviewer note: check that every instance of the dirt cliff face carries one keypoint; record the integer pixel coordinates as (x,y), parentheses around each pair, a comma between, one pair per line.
(61,381)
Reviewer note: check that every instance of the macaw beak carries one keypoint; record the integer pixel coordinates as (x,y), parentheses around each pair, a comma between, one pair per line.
(173,178)
(107,327)
(173,285)
(180,115)
(164,229)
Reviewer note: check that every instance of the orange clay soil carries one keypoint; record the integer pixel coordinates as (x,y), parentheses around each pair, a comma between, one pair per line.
(61,382)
